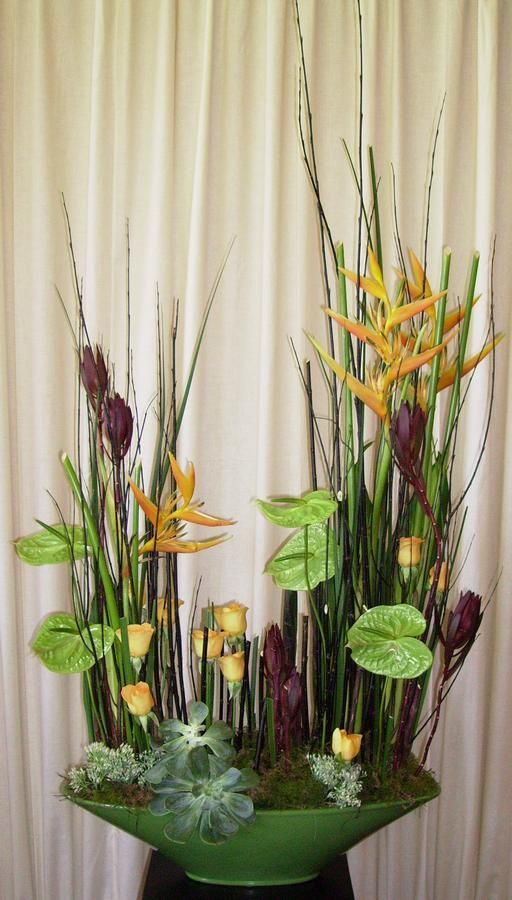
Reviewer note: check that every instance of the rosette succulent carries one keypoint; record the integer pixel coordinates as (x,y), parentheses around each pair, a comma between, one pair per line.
(181,738)
(204,792)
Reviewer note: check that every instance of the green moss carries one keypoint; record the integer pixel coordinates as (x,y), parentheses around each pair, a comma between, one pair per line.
(289,785)
(292,786)
(114,793)
(402,785)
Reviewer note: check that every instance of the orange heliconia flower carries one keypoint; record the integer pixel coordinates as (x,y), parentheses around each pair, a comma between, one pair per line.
(167,520)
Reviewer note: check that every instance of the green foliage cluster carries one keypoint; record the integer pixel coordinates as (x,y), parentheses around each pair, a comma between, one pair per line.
(343,780)
(115,765)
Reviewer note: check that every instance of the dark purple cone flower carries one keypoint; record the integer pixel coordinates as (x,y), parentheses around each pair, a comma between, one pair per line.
(274,654)
(406,432)
(292,704)
(285,688)
(463,624)
(119,426)
(94,375)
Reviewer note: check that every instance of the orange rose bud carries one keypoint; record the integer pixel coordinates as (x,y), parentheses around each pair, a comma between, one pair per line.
(215,643)
(138,698)
(345,745)
(231,618)
(443,577)
(139,639)
(233,666)
(162,616)
(409,552)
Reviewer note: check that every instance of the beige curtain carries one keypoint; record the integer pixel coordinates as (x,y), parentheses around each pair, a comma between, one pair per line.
(180,115)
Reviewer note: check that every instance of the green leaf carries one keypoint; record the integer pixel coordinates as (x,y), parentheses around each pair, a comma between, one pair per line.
(384,641)
(181,827)
(53,544)
(295,569)
(219,731)
(294,512)
(197,712)
(239,807)
(198,763)
(62,648)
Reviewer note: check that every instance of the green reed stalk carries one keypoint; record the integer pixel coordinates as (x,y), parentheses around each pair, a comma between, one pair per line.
(92,534)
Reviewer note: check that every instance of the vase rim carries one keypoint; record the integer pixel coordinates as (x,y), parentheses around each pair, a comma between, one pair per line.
(311,810)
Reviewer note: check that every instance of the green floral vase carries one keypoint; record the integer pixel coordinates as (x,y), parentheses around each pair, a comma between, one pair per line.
(281,847)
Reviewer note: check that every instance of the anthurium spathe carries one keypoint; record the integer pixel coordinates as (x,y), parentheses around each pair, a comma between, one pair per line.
(167,519)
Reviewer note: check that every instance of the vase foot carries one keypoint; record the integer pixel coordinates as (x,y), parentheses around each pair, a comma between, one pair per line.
(165,879)
(271,881)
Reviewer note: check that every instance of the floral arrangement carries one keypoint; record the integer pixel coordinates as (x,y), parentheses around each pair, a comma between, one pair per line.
(199,718)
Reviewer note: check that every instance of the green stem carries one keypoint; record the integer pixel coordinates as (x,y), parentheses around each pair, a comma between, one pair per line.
(92,534)
(94,710)
(210,690)
(381,482)
(271,731)
(419,517)
(378,239)
(348,427)
(135,546)
(86,697)
(254,677)
(455,397)
(125,652)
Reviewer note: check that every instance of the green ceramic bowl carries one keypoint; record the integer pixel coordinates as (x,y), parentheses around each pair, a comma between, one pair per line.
(281,847)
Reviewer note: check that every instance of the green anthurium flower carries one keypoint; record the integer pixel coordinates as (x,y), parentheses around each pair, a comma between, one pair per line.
(295,512)
(384,640)
(305,559)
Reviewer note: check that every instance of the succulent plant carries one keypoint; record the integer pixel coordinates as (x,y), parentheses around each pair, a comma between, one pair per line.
(181,738)
(203,791)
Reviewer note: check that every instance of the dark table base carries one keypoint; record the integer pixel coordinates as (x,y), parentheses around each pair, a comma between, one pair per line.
(165,881)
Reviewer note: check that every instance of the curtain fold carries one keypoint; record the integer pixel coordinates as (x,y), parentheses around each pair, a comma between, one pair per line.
(180,116)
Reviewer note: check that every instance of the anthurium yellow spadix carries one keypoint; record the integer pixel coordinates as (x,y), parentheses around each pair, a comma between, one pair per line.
(369,397)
